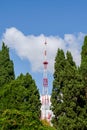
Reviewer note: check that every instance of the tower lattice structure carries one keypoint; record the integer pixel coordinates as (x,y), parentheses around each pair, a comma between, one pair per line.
(45,97)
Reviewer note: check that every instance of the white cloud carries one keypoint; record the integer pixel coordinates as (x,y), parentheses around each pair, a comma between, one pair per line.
(32,47)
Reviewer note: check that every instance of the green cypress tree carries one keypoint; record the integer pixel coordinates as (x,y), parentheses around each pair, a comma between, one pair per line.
(83,67)
(70,112)
(73,98)
(6,66)
(58,84)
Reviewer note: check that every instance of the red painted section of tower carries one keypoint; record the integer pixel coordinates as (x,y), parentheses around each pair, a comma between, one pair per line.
(45,82)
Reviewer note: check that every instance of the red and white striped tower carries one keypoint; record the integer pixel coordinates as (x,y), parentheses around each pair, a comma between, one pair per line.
(45,97)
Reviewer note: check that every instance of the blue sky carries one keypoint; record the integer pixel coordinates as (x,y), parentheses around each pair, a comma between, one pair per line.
(25,24)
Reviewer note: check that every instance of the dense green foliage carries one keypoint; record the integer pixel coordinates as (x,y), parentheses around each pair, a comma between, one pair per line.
(21,94)
(68,95)
(6,66)
(83,67)
(12,119)
(57,85)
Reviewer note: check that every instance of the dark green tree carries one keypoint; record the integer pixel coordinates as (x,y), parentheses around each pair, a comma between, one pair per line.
(6,66)
(83,66)
(74,116)
(21,94)
(58,84)
(70,99)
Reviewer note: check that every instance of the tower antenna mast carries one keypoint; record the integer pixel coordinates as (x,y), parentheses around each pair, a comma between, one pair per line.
(45,97)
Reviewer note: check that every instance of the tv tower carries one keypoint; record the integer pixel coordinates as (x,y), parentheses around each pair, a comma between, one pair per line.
(45,97)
